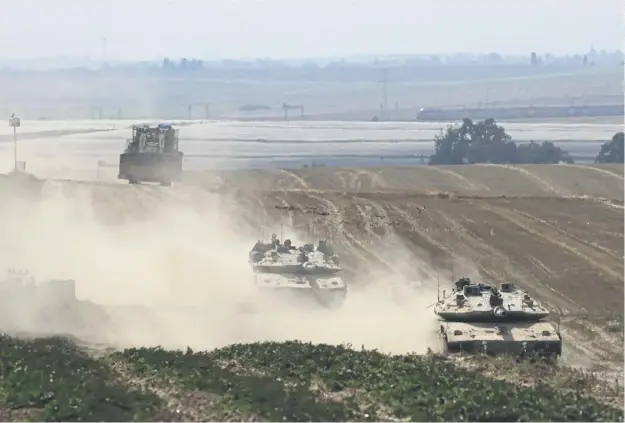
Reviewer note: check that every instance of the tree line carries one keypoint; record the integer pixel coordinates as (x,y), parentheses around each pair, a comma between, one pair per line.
(487,142)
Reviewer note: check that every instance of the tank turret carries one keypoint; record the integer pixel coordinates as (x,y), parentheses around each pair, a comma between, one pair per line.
(476,318)
(303,270)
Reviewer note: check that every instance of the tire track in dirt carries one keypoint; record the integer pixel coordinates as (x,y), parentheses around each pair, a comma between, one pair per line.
(501,268)
(358,183)
(575,246)
(377,181)
(594,340)
(587,340)
(355,182)
(415,227)
(609,204)
(379,212)
(507,270)
(370,232)
(380,181)
(454,239)
(543,287)
(464,182)
(325,225)
(296,177)
(337,226)
(557,301)
(469,246)
(351,242)
(596,169)
(417,237)
(289,212)
(541,182)
(312,226)
(592,245)
(341,174)
(365,209)
(383,221)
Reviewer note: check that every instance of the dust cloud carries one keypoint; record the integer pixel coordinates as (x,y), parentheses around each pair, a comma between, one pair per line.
(169,267)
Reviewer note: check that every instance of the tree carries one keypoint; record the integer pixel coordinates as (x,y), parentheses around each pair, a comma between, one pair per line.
(487,142)
(612,151)
(543,153)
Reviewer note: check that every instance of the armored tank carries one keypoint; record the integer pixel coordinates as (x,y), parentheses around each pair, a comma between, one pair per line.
(303,271)
(151,155)
(479,318)
(47,307)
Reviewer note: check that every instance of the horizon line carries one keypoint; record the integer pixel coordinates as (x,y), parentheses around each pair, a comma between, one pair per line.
(361,56)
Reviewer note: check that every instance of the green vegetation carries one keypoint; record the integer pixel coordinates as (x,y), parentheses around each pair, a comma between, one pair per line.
(612,151)
(56,380)
(487,142)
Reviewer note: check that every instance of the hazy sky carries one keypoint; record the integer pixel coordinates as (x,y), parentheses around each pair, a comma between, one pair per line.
(148,29)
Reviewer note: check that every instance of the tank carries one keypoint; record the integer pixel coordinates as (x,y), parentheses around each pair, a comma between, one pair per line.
(304,272)
(151,155)
(479,318)
(49,307)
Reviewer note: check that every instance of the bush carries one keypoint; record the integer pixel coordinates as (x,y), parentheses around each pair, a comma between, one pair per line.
(307,382)
(612,151)
(487,142)
(54,380)
(57,380)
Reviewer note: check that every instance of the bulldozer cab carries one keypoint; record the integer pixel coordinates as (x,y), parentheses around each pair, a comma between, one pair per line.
(161,138)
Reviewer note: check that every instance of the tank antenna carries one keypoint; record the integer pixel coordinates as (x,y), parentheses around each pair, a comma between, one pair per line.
(438,289)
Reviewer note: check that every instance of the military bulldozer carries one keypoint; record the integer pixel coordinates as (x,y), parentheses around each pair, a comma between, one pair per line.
(152,155)
(47,307)
(479,318)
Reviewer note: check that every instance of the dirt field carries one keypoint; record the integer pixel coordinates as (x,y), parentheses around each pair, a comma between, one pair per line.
(554,230)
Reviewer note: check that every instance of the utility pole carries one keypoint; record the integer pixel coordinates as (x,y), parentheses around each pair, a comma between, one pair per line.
(15,123)
(385,91)
(189,110)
